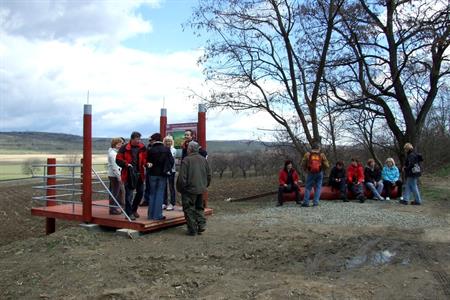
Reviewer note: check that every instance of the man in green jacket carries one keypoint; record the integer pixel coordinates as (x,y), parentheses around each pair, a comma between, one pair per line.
(193,180)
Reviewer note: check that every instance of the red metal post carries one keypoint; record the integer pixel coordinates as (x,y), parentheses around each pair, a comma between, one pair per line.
(87,163)
(201,138)
(163,122)
(50,224)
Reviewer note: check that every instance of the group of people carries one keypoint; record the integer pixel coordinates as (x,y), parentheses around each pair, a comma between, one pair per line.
(355,178)
(140,175)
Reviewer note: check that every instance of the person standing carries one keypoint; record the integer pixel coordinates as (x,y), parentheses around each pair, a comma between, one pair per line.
(412,173)
(391,178)
(114,175)
(337,180)
(132,158)
(289,182)
(372,179)
(168,142)
(146,200)
(355,179)
(159,163)
(189,137)
(314,163)
(193,180)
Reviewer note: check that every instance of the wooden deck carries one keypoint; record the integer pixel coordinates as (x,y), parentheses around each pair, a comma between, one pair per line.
(101,216)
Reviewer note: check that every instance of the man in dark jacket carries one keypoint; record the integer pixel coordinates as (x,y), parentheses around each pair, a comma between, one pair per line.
(132,158)
(337,180)
(189,137)
(193,179)
(159,163)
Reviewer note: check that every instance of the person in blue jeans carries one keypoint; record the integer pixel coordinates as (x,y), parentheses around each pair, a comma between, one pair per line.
(412,173)
(313,163)
(159,163)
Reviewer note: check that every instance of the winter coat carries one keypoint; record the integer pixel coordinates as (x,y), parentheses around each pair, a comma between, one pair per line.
(412,158)
(195,175)
(355,173)
(283,176)
(173,151)
(337,174)
(113,169)
(305,161)
(390,174)
(184,152)
(125,157)
(372,175)
(160,157)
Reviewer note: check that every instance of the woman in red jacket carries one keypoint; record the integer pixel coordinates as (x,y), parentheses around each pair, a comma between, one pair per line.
(289,180)
(355,179)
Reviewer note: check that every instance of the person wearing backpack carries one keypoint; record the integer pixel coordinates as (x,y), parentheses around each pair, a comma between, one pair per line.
(159,164)
(313,163)
(412,173)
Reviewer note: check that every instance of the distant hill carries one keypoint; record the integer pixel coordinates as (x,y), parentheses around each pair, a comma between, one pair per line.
(29,141)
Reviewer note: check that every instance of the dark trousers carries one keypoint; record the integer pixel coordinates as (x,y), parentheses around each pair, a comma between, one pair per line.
(341,186)
(287,189)
(147,188)
(194,211)
(357,190)
(388,187)
(171,184)
(117,190)
(131,205)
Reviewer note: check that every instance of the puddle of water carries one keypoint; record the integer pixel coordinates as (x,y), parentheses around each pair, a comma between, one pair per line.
(377,259)
(356,261)
(382,257)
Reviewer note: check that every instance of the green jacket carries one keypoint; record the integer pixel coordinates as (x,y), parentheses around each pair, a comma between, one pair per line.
(195,175)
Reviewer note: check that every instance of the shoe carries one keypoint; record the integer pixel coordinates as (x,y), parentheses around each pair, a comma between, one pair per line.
(169,207)
(298,202)
(388,199)
(315,204)
(415,203)
(403,202)
(190,233)
(361,199)
(136,214)
(162,218)
(345,200)
(164,206)
(279,204)
(200,230)
(115,212)
(401,198)
(305,205)
(381,199)
(132,217)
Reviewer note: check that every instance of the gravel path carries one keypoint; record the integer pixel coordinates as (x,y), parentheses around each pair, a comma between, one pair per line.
(370,213)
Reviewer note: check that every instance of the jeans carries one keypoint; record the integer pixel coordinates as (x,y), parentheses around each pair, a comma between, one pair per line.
(376,188)
(157,188)
(147,188)
(131,206)
(171,182)
(411,187)
(313,179)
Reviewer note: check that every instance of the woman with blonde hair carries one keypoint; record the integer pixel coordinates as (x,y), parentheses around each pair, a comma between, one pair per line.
(168,142)
(412,173)
(391,178)
(114,175)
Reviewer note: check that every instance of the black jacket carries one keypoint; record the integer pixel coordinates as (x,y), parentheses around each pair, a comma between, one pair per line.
(335,174)
(372,175)
(161,159)
(412,158)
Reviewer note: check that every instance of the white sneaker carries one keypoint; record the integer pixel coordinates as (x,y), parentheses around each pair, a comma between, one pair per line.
(163,206)
(387,198)
(401,198)
(169,207)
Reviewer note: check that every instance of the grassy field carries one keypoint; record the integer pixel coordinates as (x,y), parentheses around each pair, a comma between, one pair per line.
(12,165)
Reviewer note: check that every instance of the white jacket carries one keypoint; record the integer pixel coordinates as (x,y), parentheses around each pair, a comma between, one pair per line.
(113,169)
(174,153)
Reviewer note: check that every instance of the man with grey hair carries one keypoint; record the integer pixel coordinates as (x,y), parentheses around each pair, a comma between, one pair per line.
(193,180)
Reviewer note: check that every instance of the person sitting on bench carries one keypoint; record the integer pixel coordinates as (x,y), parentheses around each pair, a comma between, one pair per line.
(337,180)
(289,182)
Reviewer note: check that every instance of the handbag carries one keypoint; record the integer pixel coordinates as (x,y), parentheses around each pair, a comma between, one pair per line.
(133,177)
(416,168)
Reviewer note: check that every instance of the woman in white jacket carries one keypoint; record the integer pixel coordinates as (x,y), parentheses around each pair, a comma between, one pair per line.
(115,183)
(168,142)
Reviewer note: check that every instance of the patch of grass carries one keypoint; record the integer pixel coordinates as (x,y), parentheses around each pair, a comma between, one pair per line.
(444,171)
(12,171)
(434,193)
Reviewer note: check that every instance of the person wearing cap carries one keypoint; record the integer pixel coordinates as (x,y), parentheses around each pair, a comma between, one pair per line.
(159,163)
(193,180)
(131,157)
(314,163)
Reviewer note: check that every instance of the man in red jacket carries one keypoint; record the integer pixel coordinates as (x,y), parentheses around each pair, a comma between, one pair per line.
(289,180)
(132,158)
(355,179)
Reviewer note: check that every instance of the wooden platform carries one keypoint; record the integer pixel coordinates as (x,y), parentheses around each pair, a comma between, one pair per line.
(101,216)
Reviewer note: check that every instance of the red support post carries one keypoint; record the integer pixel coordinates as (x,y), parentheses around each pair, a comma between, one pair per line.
(87,163)
(50,223)
(163,122)
(201,138)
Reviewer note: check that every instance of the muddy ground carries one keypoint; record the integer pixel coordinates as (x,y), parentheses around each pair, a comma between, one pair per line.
(244,254)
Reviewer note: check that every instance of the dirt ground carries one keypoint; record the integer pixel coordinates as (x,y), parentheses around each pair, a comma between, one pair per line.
(244,254)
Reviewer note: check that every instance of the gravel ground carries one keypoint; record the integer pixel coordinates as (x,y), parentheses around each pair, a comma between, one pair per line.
(371,213)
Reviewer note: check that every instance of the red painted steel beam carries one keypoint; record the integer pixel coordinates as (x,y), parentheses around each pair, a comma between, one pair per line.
(50,223)
(87,163)
(201,136)
(163,122)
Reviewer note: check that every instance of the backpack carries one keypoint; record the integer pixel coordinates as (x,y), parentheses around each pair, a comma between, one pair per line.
(315,163)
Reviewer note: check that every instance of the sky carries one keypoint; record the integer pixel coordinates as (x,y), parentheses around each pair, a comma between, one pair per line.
(132,58)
